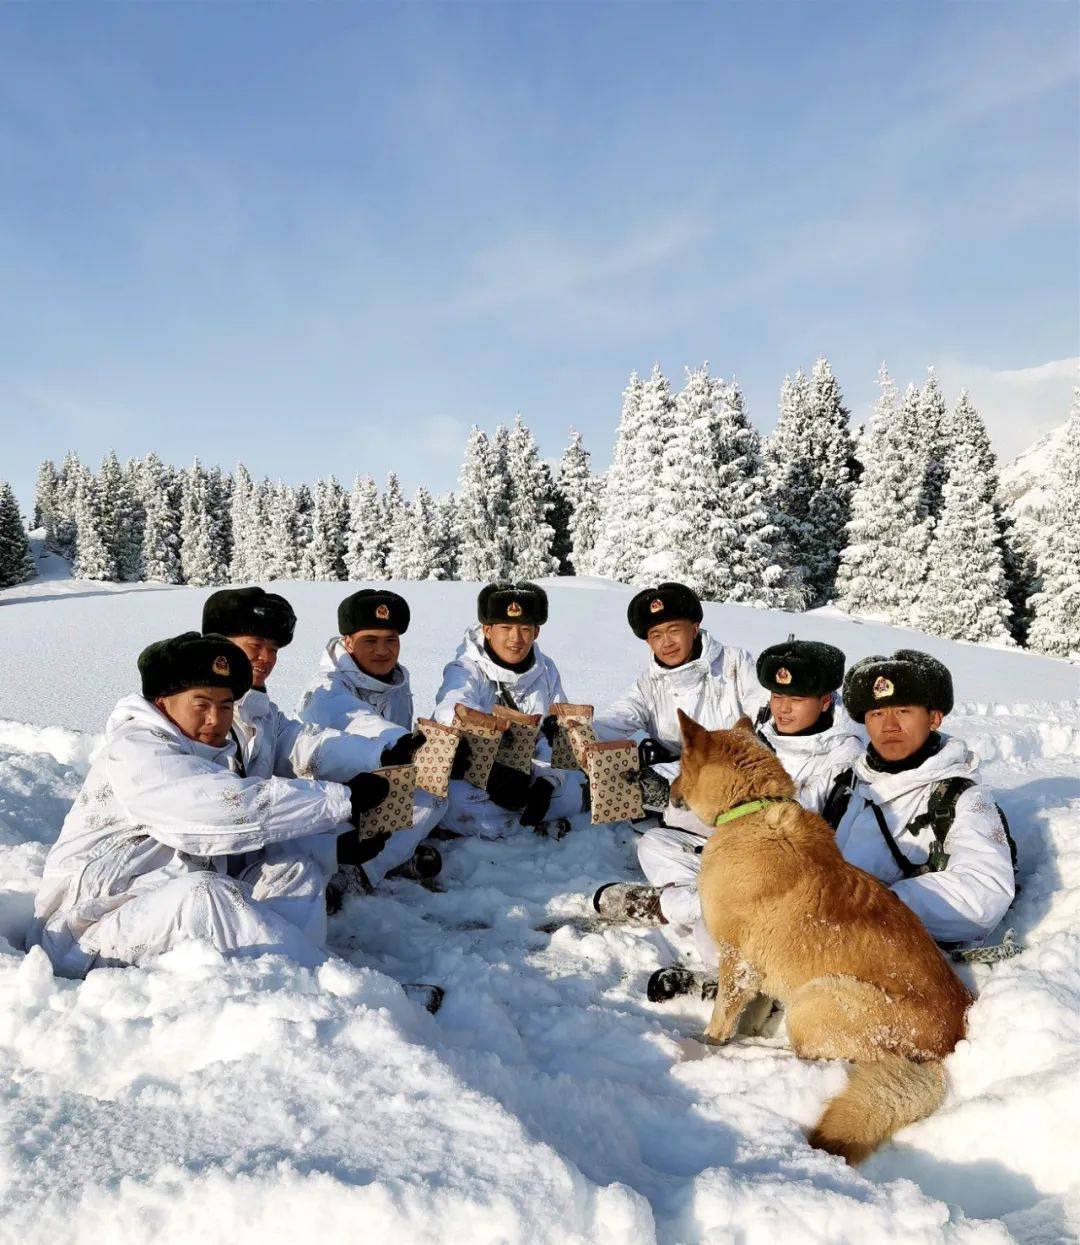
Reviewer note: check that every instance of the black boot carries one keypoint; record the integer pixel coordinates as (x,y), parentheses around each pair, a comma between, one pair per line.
(349,880)
(673,982)
(629,902)
(425,864)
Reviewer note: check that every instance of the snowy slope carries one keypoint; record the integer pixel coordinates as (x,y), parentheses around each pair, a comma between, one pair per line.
(548,1101)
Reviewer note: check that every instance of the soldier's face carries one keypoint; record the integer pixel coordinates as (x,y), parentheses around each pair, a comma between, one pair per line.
(796,713)
(896,731)
(511,642)
(204,714)
(262,654)
(375,652)
(672,642)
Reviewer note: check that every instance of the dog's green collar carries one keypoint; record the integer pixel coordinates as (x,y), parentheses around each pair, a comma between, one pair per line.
(753,806)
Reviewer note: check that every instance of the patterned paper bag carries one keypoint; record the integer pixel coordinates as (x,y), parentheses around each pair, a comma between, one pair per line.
(578,735)
(435,756)
(396,811)
(519,742)
(612,769)
(485,735)
(564,753)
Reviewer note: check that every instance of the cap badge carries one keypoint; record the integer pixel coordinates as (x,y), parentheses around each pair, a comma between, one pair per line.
(783,675)
(382,611)
(513,610)
(655,605)
(883,687)
(221,666)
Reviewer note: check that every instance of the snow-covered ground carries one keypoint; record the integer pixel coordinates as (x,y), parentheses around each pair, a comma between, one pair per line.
(547,1101)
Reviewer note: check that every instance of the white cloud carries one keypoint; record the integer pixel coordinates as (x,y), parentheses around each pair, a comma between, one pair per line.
(1019,405)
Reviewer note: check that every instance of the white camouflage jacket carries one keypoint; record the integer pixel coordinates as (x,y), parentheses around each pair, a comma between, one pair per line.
(715,689)
(342,696)
(964,901)
(473,679)
(156,805)
(814,761)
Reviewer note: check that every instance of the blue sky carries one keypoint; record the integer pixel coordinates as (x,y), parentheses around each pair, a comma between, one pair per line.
(331,237)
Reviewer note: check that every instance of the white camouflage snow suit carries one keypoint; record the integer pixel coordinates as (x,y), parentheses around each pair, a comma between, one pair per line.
(342,696)
(154,852)
(473,679)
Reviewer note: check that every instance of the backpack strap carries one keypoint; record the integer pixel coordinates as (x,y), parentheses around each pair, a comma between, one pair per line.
(839,797)
(907,869)
(505,699)
(940,815)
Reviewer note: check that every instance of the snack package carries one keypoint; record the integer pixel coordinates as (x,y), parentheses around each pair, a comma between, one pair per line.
(518,745)
(612,769)
(566,750)
(435,756)
(396,810)
(485,735)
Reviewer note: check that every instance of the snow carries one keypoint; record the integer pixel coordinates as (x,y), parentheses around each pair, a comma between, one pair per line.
(548,1100)
(1022,486)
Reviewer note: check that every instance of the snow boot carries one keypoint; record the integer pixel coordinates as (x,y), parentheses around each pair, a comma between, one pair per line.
(555,828)
(349,880)
(674,982)
(424,864)
(429,997)
(629,902)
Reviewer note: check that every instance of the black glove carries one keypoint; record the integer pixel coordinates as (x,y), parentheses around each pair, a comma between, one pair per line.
(508,787)
(538,802)
(462,757)
(366,791)
(402,751)
(652,752)
(353,850)
(549,728)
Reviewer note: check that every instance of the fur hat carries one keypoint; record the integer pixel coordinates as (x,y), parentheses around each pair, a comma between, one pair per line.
(193,660)
(664,603)
(504,602)
(372,609)
(801,668)
(249,611)
(908,677)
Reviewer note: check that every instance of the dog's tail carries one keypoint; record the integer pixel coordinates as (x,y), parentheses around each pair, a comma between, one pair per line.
(878,1099)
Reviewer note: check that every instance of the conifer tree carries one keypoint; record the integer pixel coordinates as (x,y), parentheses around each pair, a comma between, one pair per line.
(324,557)
(45,500)
(790,472)
(577,490)
(203,558)
(645,534)
(1055,626)
(395,521)
(16,564)
(446,535)
(612,553)
(529,488)
(247,524)
(159,559)
(418,554)
(934,436)
(303,512)
(281,555)
(479,510)
(830,501)
(883,566)
(93,559)
(72,473)
(365,549)
(120,518)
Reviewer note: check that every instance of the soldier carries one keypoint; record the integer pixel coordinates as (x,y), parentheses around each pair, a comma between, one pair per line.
(500,663)
(911,811)
(156,849)
(715,684)
(363,688)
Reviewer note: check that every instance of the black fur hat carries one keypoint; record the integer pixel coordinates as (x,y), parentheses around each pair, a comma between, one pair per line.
(193,660)
(664,603)
(504,602)
(908,677)
(801,668)
(249,611)
(372,609)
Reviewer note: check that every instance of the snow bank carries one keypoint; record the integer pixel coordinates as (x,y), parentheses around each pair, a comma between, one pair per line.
(548,1101)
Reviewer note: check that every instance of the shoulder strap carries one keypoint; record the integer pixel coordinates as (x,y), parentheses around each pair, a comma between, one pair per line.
(941,813)
(763,715)
(241,768)
(505,698)
(907,869)
(839,797)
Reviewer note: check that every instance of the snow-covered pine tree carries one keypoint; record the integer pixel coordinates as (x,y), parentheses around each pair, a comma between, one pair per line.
(1055,626)
(278,506)
(530,533)
(790,473)
(558,512)
(964,595)
(365,546)
(16,564)
(120,518)
(656,422)
(883,566)
(219,487)
(446,535)
(72,472)
(578,492)
(612,553)
(93,558)
(247,524)
(418,554)
(203,558)
(481,510)
(324,557)
(303,519)
(45,498)
(935,439)
(396,519)
(159,558)
(830,501)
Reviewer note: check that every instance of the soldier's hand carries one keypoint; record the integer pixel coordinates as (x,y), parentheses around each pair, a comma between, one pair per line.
(549,728)
(402,750)
(353,850)
(653,752)
(508,787)
(366,791)
(462,757)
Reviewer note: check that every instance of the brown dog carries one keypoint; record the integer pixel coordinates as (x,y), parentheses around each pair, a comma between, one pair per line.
(858,975)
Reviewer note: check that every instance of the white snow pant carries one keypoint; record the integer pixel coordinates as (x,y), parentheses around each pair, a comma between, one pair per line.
(472,811)
(275,907)
(671,858)
(428,811)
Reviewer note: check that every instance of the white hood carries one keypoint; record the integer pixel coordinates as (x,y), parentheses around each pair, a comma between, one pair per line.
(338,660)
(136,711)
(472,649)
(675,679)
(954,759)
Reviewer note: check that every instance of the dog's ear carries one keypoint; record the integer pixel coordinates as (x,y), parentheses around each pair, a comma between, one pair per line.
(744,724)
(692,733)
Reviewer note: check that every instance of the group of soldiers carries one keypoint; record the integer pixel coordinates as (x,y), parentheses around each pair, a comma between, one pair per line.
(209,813)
